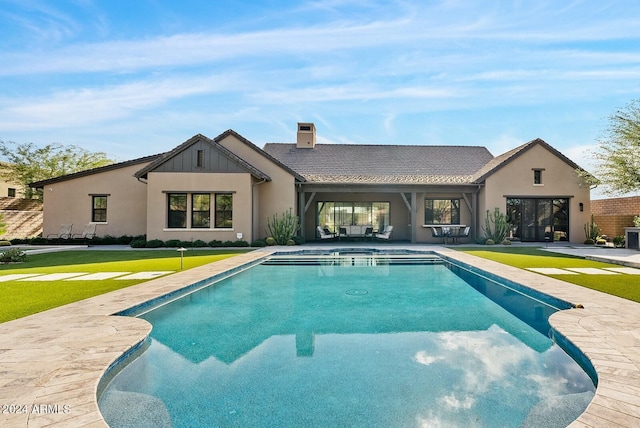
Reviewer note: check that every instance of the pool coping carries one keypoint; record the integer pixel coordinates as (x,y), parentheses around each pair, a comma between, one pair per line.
(51,363)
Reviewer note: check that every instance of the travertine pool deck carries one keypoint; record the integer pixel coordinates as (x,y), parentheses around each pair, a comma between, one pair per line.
(51,363)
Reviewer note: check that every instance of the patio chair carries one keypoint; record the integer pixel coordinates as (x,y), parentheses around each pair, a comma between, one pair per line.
(368,233)
(438,234)
(88,232)
(325,234)
(64,233)
(386,234)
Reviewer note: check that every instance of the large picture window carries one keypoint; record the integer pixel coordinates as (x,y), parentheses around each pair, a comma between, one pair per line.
(201,210)
(332,215)
(224,210)
(442,211)
(99,209)
(177,210)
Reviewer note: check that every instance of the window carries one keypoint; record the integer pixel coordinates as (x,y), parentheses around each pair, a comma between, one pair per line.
(537,176)
(535,219)
(200,158)
(200,210)
(224,210)
(332,215)
(442,211)
(98,209)
(177,210)
(11,192)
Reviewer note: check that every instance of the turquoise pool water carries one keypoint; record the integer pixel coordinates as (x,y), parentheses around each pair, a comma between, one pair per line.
(350,341)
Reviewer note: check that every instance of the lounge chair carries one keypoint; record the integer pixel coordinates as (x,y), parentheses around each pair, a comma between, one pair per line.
(368,233)
(436,234)
(64,233)
(386,234)
(325,234)
(88,232)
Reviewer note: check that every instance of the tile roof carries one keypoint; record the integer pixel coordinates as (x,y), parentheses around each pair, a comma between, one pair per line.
(383,164)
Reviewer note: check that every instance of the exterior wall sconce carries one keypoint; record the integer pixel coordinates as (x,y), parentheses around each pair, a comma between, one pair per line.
(581,205)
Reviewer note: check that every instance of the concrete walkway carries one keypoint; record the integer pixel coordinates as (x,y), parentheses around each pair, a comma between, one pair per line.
(51,363)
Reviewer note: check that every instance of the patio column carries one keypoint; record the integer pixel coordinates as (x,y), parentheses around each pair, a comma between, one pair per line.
(414,215)
(301,212)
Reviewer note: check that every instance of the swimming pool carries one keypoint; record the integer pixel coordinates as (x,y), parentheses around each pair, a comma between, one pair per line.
(351,340)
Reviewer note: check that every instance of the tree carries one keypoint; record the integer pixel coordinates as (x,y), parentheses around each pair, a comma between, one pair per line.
(28,163)
(618,152)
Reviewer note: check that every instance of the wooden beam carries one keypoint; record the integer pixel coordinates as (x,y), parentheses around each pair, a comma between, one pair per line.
(306,207)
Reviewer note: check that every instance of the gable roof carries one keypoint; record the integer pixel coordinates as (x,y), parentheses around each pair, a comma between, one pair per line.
(382,164)
(502,160)
(196,139)
(111,167)
(249,144)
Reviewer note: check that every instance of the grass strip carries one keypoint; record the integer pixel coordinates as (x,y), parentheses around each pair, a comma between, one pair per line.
(22,298)
(625,286)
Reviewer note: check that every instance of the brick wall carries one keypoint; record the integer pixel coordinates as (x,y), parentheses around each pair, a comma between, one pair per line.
(613,215)
(22,218)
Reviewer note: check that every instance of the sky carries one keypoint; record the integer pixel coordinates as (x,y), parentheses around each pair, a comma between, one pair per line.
(135,78)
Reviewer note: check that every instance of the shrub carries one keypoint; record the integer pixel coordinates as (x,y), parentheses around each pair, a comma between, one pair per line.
(228,244)
(589,241)
(172,243)
(259,243)
(601,241)
(299,240)
(13,255)
(506,242)
(489,242)
(283,228)
(124,240)
(199,243)
(155,243)
(4,243)
(241,243)
(138,243)
(500,228)
(270,241)
(215,243)
(636,221)
(291,242)
(619,241)
(18,241)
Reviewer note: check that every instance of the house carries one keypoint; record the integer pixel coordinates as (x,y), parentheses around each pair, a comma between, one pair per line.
(226,188)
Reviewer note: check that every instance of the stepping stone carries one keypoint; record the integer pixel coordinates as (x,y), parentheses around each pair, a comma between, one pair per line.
(54,276)
(17,276)
(552,271)
(146,275)
(593,271)
(627,270)
(98,276)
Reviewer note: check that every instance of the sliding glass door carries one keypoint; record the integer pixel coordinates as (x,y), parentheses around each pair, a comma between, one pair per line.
(536,219)
(332,215)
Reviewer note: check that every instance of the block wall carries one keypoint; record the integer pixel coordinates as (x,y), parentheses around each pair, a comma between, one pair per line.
(613,215)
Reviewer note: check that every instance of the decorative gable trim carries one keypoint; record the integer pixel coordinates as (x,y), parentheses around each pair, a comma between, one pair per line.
(201,154)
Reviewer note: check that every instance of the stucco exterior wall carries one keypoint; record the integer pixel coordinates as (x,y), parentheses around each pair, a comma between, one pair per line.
(272,197)
(559,179)
(160,183)
(71,202)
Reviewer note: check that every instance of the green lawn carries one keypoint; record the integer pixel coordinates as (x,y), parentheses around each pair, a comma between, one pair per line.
(22,298)
(626,286)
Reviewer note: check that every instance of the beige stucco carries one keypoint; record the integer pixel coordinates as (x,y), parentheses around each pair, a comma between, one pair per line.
(272,197)
(70,201)
(5,185)
(559,179)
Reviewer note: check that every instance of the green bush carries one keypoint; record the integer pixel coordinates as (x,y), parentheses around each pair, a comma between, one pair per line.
(619,241)
(299,240)
(506,242)
(241,243)
(270,241)
(489,242)
(215,243)
(13,255)
(291,242)
(155,243)
(199,243)
(259,243)
(173,243)
(601,241)
(4,243)
(138,243)
(589,241)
